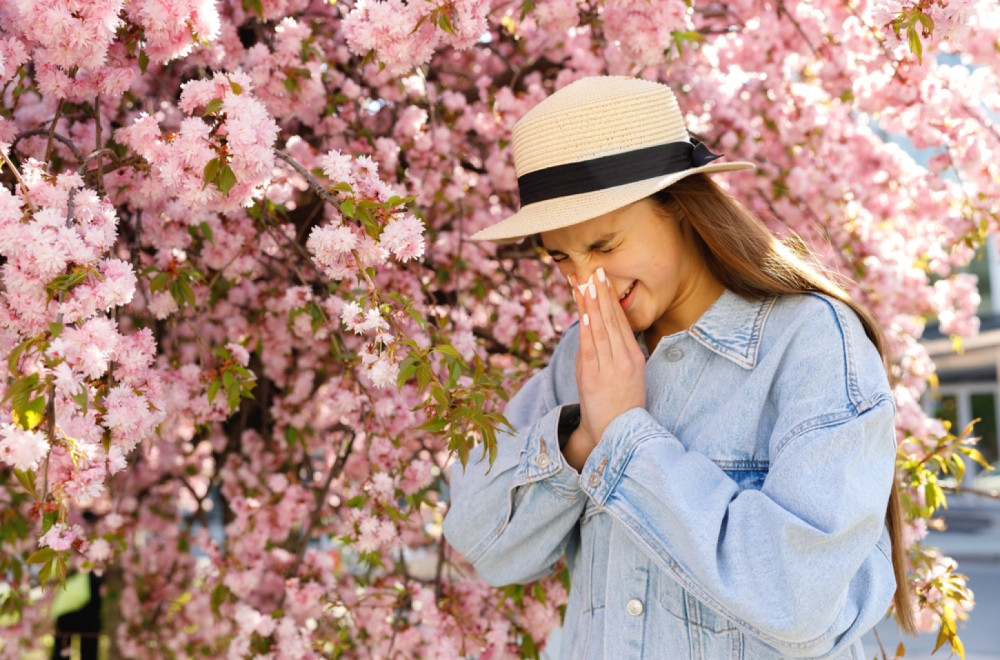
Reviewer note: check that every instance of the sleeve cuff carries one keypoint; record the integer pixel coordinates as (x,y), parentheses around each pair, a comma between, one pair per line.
(609,459)
(541,457)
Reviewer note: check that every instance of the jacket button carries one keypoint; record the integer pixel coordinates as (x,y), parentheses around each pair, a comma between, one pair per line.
(674,354)
(543,461)
(594,479)
(634,607)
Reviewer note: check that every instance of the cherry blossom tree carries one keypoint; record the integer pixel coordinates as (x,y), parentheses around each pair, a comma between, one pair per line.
(245,331)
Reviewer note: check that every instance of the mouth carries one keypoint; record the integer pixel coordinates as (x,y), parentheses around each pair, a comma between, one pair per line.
(622,299)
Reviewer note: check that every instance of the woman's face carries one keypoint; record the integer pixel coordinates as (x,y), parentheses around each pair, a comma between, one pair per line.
(656,269)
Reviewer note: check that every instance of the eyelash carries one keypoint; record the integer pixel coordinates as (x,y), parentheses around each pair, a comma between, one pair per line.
(560,259)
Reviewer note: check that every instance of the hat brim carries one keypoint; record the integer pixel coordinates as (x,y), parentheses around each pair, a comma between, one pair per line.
(562,212)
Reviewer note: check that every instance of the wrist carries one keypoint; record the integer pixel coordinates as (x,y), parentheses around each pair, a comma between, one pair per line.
(569,421)
(578,448)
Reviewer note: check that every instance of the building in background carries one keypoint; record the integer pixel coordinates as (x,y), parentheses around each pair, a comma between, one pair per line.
(968,386)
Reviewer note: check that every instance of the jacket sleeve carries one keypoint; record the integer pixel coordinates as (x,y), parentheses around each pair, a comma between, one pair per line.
(802,563)
(513,519)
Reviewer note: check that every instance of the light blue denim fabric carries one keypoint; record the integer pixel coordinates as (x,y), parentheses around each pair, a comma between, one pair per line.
(739,515)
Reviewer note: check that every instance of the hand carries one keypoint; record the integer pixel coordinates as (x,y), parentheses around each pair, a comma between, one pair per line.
(610,366)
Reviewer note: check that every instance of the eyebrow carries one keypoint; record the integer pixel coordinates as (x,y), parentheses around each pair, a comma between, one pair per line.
(599,243)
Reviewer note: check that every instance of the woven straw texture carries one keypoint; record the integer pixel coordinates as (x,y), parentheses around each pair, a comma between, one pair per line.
(591,118)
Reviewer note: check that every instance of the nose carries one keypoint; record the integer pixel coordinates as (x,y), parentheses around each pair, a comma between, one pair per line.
(582,272)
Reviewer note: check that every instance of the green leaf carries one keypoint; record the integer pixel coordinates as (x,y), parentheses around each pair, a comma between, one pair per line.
(449,350)
(32,414)
(233,399)
(347,208)
(213,107)
(15,356)
(913,38)
(529,650)
(41,556)
(227,179)
(433,425)
(926,22)
(19,393)
(159,283)
(143,61)
(356,502)
(211,173)
(213,389)
(219,595)
(292,85)
(49,519)
(236,87)
(46,571)
(407,368)
(444,22)
(27,479)
(187,293)
(255,6)
(66,281)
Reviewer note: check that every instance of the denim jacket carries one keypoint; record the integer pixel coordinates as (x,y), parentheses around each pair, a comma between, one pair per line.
(740,514)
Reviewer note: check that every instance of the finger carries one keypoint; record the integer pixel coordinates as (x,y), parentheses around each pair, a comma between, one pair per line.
(614,321)
(586,353)
(598,328)
(618,314)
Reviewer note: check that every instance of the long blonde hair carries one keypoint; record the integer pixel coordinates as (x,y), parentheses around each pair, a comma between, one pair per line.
(747,258)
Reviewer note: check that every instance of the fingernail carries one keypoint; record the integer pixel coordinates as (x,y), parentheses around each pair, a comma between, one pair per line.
(569,280)
(593,290)
(601,276)
(586,319)
(583,288)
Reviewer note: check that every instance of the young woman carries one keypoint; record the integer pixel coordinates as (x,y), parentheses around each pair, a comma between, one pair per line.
(711,447)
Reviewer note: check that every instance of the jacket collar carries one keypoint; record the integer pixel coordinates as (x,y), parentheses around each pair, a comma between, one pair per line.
(732,327)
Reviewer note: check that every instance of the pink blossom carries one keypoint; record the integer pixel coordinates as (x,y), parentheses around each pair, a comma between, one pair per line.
(383,372)
(239,353)
(118,284)
(403,237)
(416,477)
(70,34)
(100,551)
(21,448)
(331,243)
(61,537)
(337,166)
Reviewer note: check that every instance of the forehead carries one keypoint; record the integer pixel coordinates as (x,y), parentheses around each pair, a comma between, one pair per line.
(602,228)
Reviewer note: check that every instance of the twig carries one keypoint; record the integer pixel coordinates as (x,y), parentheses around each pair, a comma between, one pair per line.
(52,131)
(335,470)
(783,10)
(320,190)
(17,175)
(52,136)
(97,145)
(881,42)
(991,494)
(880,647)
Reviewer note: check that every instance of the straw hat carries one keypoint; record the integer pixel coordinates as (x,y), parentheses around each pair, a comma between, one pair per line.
(594,146)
